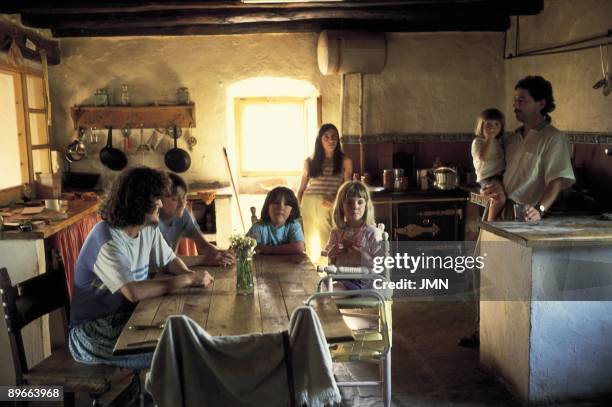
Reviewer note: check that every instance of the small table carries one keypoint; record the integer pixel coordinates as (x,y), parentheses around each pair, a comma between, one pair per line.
(282,283)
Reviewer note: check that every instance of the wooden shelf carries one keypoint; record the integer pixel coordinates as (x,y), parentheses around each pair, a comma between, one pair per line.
(133,117)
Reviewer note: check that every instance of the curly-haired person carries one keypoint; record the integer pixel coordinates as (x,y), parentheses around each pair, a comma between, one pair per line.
(112,271)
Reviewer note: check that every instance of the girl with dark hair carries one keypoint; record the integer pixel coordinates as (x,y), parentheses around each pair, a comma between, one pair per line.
(488,154)
(176,222)
(279,230)
(324,172)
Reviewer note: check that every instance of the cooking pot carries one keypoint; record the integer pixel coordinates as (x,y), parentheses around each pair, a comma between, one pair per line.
(446,178)
(177,159)
(111,157)
(76,150)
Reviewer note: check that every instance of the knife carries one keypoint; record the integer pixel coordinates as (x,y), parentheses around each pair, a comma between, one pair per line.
(143,327)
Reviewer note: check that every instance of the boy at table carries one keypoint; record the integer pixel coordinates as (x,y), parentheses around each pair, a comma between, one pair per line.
(113,268)
(176,222)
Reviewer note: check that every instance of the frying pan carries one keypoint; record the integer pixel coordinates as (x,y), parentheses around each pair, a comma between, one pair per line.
(111,157)
(177,159)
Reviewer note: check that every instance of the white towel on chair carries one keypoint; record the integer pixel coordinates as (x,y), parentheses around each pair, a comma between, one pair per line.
(192,368)
(312,365)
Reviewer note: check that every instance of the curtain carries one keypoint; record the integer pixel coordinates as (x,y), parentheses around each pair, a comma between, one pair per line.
(68,243)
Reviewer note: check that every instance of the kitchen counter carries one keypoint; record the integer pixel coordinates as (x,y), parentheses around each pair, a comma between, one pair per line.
(545,306)
(77,210)
(555,232)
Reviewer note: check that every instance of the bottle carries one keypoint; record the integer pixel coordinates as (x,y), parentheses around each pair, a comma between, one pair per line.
(125,97)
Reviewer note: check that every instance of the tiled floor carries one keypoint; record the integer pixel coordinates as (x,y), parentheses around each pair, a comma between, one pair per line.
(428,368)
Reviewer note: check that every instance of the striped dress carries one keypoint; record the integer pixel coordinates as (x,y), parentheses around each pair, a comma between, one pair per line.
(316,218)
(326,184)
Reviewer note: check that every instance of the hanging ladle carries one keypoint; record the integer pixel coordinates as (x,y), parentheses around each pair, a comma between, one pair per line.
(143,147)
(606,81)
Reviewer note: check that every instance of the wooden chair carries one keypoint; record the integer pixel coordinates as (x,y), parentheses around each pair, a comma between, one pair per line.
(38,296)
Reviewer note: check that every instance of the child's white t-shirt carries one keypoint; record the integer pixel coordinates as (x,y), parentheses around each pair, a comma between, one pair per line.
(493,164)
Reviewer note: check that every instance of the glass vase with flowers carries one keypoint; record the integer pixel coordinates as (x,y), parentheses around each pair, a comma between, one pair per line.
(243,247)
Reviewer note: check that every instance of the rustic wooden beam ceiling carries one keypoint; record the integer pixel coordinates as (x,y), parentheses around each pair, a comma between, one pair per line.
(121,18)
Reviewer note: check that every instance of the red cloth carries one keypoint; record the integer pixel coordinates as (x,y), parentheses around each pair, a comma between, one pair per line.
(186,246)
(69,241)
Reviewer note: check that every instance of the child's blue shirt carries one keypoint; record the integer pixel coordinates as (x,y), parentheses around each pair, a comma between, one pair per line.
(266,234)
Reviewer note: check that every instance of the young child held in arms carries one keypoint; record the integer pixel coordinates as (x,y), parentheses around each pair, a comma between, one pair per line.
(488,153)
(279,231)
(354,241)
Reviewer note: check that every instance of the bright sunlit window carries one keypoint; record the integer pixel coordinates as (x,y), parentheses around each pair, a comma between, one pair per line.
(273,122)
(24,146)
(272,135)
(11,175)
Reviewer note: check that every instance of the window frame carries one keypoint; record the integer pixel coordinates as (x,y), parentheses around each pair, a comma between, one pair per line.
(23,111)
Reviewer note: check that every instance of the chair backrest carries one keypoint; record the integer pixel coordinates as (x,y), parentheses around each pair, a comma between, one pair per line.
(254,218)
(26,302)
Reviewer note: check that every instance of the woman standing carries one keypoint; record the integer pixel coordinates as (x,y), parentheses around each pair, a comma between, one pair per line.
(324,172)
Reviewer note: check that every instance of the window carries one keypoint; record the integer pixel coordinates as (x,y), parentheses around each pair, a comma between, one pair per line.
(274,134)
(24,142)
(38,128)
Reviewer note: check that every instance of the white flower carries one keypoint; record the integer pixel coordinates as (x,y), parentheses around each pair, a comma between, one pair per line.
(241,242)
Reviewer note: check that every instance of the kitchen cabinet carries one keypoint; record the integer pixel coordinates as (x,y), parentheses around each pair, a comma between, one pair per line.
(133,117)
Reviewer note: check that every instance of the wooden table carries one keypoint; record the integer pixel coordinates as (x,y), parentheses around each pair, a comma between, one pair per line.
(282,283)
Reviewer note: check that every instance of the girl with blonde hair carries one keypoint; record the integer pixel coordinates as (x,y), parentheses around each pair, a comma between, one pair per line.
(354,241)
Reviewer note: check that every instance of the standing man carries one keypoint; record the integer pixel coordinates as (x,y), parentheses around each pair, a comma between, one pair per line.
(113,268)
(538,165)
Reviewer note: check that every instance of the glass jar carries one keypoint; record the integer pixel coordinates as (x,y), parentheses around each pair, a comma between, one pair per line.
(101,98)
(244,272)
(27,191)
(388,178)
(182,96)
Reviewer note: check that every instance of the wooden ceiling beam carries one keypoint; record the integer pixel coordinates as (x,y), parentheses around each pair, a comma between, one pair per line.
(498,24)
(249,15)
(510,7)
